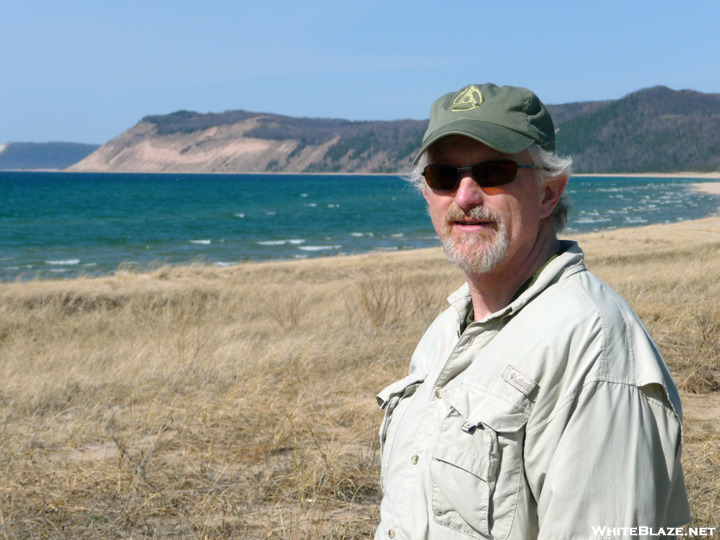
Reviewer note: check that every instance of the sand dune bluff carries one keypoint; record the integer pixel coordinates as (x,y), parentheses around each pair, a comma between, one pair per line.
(218,149)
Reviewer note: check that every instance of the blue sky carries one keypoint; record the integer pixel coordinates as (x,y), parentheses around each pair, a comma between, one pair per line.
(85,71)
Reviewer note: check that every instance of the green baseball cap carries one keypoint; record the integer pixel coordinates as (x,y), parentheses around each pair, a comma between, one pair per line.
(506,118)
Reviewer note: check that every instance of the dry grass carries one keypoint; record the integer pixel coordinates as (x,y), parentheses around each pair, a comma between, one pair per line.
(201,402)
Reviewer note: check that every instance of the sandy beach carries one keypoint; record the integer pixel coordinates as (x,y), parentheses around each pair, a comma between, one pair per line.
(713,188)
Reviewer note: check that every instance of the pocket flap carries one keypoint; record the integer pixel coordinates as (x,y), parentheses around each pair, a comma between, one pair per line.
(476,463)
(479,406)
(397,388)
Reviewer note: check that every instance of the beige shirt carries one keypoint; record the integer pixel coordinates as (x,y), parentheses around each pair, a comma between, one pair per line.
(552,418)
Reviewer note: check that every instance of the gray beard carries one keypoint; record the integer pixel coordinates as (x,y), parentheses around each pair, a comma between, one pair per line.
(476,254)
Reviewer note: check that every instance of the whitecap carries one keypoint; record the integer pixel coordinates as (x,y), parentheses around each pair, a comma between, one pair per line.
(319,248)
(271,242)
(240,215)
(587,220)
(312,205)
(65,262)
(204,242)
(293,241)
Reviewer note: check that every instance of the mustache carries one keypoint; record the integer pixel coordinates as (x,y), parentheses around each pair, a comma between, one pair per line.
(477,213)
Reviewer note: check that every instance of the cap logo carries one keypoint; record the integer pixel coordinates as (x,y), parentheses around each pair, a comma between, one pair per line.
(469,98)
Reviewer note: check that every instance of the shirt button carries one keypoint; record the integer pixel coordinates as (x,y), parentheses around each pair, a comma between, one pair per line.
(438,393)
(391,533)
(414,459)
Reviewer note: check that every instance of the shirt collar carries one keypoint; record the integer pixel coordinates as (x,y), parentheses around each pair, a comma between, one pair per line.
(569,259)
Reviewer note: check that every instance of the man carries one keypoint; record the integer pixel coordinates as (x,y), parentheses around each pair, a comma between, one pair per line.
(537,405)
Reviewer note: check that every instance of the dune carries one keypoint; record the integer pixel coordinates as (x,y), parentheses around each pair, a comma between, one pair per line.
(200,401)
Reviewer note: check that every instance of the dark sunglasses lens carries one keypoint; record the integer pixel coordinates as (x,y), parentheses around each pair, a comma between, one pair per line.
(441,177)
(494,173)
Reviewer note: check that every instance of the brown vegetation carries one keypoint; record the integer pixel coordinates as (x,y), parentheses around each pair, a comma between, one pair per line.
(239,402)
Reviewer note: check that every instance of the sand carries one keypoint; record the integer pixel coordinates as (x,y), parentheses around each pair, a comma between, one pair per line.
(713,188)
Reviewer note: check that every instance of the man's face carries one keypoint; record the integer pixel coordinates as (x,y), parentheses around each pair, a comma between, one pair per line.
(485,229)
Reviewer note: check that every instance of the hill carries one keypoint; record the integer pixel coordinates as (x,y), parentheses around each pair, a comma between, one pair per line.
(241,141)
(52,155)
(652,130)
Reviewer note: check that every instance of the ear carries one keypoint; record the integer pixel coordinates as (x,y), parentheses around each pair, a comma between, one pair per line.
(424,189)
(551,193)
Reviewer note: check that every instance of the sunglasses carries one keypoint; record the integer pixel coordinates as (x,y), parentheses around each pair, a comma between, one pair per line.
(487,174)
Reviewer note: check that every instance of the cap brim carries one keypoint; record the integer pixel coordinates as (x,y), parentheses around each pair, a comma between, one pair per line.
(495,136)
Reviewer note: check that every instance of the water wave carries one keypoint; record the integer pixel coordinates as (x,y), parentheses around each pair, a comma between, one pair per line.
(63,262)
(292,241)
(315,216)
(320,248)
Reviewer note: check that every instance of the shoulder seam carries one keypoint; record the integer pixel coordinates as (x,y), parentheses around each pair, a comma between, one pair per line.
(668,410)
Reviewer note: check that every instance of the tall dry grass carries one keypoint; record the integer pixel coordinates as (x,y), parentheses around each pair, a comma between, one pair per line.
(202,402)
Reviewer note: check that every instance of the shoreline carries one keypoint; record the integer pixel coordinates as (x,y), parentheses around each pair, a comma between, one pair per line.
(710,188)
(86,266)
(682,174)
(639,238)
(162,373)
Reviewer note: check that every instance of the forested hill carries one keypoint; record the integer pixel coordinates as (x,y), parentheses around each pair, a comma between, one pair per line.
(652,130)
(51,155)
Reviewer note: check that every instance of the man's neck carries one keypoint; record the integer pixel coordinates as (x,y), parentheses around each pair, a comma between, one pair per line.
(494,290)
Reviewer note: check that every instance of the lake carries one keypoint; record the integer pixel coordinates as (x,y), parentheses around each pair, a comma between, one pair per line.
(56,225)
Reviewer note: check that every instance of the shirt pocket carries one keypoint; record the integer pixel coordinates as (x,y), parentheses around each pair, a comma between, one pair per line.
(477,466)
(394,400)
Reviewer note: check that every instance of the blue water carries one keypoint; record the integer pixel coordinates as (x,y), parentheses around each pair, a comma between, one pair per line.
(63,225)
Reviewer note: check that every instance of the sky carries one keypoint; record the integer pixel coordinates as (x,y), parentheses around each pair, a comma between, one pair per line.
(87,70)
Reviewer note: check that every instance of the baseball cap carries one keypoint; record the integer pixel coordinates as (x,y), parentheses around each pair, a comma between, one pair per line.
(506,118)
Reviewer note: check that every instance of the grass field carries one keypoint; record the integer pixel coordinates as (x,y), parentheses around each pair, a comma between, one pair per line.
(205,402)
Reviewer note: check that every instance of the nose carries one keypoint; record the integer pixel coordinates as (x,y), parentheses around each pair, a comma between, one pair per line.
(468,194)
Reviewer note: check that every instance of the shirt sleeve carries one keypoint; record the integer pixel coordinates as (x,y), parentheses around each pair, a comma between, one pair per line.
(608,458)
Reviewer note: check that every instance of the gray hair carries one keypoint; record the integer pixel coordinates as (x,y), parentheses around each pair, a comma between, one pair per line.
(548,166)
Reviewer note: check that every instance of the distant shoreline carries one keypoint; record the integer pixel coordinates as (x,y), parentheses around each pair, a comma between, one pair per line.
(685,174)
